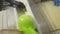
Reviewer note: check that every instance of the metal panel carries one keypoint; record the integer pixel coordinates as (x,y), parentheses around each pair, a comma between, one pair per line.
(8,18)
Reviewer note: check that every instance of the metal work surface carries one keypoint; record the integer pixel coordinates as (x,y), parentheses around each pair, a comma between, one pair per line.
(10,31)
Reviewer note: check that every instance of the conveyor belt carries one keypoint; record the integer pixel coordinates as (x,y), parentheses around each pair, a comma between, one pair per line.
(52,14)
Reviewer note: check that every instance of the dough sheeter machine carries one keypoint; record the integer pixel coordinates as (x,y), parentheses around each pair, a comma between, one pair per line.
(44,12)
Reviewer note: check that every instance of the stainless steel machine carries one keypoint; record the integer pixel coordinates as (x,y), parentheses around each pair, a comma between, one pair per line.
(44,12)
